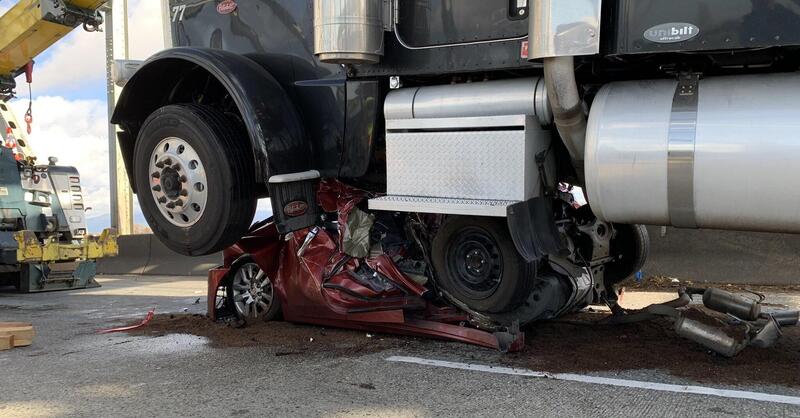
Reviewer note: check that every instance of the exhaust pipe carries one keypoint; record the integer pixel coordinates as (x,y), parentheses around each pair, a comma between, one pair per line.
(787,318)
(726,302)
(708,336)
(558,31)
(567,107)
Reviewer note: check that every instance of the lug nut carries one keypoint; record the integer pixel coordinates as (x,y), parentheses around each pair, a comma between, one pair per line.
(184,193)
(168,161)
(162,199)
(160,164)
(171,205)
(156,188)
(156,175)
(184,179)
(179,202)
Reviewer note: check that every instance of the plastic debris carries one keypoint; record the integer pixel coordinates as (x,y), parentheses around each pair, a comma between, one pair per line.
(356,234)
(145,321)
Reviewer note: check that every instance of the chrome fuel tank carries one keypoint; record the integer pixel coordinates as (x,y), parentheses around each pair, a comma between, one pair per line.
(719,153)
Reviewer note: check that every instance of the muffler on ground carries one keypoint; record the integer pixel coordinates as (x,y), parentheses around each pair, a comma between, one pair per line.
(746,325)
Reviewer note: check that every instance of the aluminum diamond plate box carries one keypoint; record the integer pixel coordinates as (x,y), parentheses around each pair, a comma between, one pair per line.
(463,158)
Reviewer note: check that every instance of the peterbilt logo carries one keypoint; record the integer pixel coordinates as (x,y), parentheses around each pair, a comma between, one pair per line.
(227,7)
(668,33)
(295,209)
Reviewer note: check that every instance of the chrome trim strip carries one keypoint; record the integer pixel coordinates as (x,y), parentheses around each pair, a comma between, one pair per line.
(406,45)
(293,177)
(681,152)
(447,206)
(477,122)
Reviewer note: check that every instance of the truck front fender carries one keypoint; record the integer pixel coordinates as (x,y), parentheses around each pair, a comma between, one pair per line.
(276,134)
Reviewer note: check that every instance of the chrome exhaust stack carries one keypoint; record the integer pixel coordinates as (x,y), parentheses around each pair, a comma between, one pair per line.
(350,31)
(559,31)
(567,106)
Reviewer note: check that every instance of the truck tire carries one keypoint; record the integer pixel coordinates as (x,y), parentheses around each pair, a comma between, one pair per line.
(477,263)
(630,247)
(195,178)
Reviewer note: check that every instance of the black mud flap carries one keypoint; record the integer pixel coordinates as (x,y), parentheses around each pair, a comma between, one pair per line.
(533,229)
(294,202)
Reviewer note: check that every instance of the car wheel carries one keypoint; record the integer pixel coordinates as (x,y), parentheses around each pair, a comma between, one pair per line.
(195,180)
(252,294)
(477,263)
(630,247)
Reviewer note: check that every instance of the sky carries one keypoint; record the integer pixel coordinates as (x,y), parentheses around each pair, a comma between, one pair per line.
(70,105)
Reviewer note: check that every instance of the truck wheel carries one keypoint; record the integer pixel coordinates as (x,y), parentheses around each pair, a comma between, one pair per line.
(630,247)
(194,178)
(252,295)
(477,263)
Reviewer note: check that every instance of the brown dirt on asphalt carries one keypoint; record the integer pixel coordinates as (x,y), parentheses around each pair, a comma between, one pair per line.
(285,338)
(577,346)
(668,284)
(571,345)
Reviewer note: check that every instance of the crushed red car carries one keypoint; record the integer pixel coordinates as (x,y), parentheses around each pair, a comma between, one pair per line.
(308,277)
(373,272)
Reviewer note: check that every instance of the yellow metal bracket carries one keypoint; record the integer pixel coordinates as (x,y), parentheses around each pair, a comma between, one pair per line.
(26,30)
(31,250)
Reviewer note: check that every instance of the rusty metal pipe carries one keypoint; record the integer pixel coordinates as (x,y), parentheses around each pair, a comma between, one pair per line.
(710,337)
(726,302)
(786,318)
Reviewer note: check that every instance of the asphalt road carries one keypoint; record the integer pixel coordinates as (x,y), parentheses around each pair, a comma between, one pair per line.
(73,371)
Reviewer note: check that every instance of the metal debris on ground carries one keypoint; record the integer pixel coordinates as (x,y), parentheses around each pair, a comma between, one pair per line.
(741,322)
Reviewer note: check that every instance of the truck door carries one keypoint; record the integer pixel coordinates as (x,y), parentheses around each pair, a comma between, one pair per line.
(441,22)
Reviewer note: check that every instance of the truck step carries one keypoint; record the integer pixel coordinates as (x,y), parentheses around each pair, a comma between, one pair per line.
(470,207)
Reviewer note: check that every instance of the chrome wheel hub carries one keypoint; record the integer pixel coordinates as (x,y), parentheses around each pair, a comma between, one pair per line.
(252,291)
(178,182)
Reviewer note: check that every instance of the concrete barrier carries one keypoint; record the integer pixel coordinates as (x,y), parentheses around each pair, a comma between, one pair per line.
(697,255)
(724,256)
(146,255)
(134,253)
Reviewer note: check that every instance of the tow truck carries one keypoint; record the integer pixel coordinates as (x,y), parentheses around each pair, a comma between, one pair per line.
(44,241)
(427,151)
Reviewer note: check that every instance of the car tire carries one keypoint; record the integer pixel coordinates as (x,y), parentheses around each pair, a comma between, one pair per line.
(195,178)
(477,263)
(630,247)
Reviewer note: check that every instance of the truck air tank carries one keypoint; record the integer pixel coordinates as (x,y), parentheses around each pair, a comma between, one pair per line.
(721,152)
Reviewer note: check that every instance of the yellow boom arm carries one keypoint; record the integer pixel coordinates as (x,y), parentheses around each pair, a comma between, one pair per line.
(31,26)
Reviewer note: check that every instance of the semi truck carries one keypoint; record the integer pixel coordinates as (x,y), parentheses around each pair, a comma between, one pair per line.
(471,125)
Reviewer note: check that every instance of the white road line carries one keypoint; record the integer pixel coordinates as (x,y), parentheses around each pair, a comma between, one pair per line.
(662,387)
